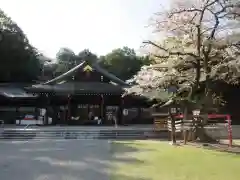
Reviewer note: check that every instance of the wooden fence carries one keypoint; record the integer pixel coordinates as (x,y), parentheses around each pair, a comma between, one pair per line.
(180,125)
(189,127)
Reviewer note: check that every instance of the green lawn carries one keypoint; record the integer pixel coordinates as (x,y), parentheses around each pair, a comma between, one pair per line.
(152,160)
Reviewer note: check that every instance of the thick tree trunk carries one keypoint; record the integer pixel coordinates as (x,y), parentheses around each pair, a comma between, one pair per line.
(185,117)
(173,132)
(201,133)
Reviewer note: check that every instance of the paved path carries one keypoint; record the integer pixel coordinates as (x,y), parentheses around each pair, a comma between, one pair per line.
(55,160)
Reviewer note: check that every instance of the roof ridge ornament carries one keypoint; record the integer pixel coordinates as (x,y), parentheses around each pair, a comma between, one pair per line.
(87,68)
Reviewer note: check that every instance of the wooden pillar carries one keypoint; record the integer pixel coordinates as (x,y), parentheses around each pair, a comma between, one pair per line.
(55,115)
(185,136)
(46,108)
(47,116)
(172,119)
(69,109)
(63,115)
(102,109)
(36,114)
(18,115)
(138,118)
(121,118)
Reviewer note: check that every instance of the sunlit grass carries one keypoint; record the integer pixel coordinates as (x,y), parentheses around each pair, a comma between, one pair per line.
(161,161)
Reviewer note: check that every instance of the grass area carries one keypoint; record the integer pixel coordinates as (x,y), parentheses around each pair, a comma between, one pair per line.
(149,160)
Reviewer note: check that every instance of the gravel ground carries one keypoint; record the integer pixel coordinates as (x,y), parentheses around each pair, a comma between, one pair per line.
(55,160)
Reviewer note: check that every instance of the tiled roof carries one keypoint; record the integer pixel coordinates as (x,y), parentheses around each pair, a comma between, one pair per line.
(77,88)
(14,92)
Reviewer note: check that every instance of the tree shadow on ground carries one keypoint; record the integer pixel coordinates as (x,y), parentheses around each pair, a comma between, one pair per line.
(122,152)
(56,161)
(125,147)
(122,147)
(72,160)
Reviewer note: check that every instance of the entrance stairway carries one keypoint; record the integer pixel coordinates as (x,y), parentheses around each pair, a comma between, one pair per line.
(80,132)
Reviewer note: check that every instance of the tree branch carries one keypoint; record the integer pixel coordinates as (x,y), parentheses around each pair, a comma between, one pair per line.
(212,34)
(183,10)
(170,52)
(192,9)
(161,57)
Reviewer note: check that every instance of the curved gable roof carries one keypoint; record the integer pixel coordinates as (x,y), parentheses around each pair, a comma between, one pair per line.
(66,74)
(95,66)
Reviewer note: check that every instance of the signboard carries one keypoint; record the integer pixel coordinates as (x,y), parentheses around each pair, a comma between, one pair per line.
(82,106)
(125,112)
(196,112)
(173,110)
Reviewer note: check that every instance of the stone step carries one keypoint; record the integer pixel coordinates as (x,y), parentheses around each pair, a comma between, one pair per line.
(79,134)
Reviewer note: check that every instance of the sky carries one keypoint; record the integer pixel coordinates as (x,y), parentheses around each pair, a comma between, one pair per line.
(98,25)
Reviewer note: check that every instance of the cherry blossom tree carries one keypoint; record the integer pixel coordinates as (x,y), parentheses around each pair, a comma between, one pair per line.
(199,46)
